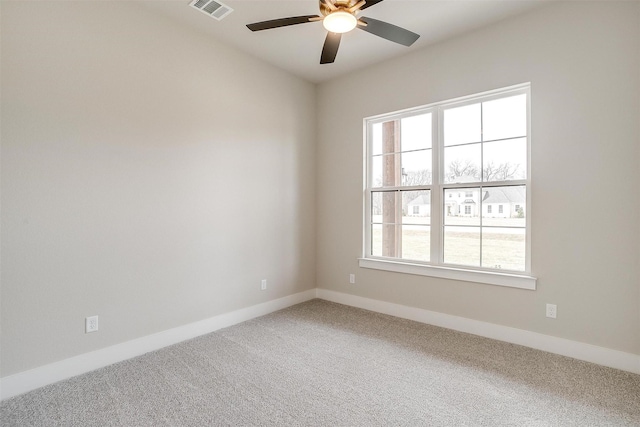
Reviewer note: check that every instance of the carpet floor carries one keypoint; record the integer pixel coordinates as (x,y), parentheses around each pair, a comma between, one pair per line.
(325,364)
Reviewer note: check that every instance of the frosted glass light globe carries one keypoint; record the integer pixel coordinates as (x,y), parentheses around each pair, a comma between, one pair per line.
(340,22)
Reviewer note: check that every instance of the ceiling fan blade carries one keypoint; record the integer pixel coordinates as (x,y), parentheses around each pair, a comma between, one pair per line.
(389,31)
(330,48)
(370,3)
(282,22)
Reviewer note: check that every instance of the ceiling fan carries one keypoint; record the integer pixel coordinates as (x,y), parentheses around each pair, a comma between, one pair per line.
(338,17)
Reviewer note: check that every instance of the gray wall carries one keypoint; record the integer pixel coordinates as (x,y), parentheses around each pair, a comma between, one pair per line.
(150,176)
(583,62)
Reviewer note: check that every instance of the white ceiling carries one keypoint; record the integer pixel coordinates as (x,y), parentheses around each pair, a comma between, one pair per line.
(297,48)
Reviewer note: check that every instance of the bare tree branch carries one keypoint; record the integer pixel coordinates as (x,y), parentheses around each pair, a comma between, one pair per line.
(459,168)
(501,172)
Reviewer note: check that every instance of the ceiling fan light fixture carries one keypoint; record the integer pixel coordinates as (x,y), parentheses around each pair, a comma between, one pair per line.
(340,22)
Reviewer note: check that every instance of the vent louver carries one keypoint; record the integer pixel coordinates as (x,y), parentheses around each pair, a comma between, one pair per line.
(212,8)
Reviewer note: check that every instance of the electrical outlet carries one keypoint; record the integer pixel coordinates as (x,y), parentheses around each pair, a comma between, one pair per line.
(91,324)
(263,285)
(352,278)
(552,310)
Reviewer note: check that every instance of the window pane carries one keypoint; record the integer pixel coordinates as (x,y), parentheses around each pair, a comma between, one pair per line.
(383,240)
(415,132)
(462,125)
(416,243)
(503,248)
(384,210)
(389,246)
(462,163)
(416,167)
(376,139)
(383,207)
(462,206)
(512,199)
(376,207)
(462,245)
(416,207)
(390,173)
(376,239)
(505,160)
(376,171)
(504,118)
(384,173)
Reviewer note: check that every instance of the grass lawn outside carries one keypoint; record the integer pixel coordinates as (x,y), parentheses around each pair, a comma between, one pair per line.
(496,247)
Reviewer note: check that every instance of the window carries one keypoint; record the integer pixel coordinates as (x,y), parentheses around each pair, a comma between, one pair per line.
(400,173)
(446,161)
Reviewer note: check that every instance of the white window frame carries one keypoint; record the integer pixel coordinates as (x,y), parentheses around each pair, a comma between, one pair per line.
(436,267)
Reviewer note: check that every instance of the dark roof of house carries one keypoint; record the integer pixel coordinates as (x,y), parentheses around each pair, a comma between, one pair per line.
(514,194)
(421,200)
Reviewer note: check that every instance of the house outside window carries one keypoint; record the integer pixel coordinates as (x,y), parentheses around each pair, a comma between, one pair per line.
(435,160)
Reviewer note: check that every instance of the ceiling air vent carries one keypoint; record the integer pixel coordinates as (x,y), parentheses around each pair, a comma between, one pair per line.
(213,8)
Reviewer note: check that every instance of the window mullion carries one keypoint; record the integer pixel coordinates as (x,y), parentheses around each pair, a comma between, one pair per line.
(399,224)
(436,193)
(398,182)
(482,178)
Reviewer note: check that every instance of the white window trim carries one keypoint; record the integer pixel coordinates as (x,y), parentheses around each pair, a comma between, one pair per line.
(521,281)
(518,280)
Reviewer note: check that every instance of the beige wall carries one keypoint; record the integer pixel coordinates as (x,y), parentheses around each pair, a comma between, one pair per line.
(150,176)
(153,176)
(583,62)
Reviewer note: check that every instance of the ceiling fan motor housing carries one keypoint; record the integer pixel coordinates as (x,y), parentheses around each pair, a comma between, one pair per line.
(339,4)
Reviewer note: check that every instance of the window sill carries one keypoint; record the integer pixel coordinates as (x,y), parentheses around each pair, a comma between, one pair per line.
(488,277)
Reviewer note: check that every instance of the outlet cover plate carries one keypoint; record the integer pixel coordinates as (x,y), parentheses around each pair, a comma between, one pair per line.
(552,310)
(91,324)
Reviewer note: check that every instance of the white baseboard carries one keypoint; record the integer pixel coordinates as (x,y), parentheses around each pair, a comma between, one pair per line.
(577,350)
(23,382)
